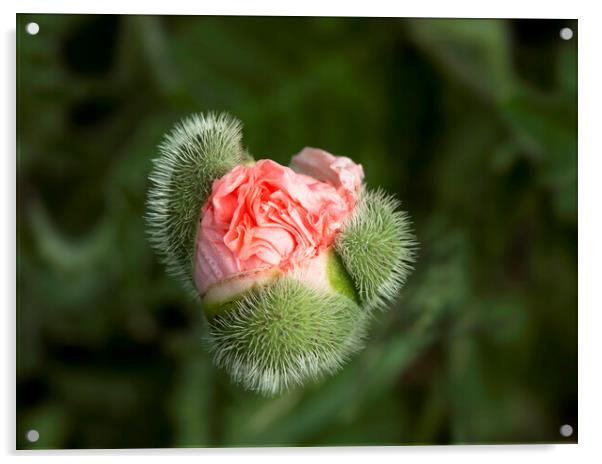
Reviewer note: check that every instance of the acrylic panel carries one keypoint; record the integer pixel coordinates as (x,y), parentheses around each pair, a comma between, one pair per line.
(411,279)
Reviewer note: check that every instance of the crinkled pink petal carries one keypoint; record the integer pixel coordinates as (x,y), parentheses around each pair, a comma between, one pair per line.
(339,171)
(268,216)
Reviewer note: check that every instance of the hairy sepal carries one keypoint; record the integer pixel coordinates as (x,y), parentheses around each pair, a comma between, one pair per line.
(377,248)
(284,334)
(197,151)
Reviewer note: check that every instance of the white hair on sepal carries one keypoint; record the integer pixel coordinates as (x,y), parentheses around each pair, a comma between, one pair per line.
(198,150)
(284,334)
(377,247)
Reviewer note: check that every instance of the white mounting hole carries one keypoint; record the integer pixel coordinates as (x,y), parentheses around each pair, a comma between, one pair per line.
(566,33)
(32,436)
(32,28)
(566,430)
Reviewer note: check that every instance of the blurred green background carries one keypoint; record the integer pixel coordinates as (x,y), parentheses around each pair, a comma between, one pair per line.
(472,123)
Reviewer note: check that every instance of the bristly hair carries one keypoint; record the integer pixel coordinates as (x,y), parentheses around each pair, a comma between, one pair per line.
(284,334)
(377,247)
(198,150)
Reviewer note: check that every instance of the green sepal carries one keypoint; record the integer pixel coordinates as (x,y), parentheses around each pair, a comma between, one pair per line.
(338,277)
(284,334)
(377,248)
(199,149)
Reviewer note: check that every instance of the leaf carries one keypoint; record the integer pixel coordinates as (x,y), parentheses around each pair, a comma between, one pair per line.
(50,421)
(190,402)
(475,52)
(546,128)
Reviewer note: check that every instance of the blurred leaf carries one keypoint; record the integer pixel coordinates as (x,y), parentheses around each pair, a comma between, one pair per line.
(547,129)
(476,52)
(191,401)
(51,423)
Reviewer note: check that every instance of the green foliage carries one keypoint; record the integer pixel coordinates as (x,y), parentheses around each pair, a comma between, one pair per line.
(197,151)
(478,53)
(377,248)
(285,333)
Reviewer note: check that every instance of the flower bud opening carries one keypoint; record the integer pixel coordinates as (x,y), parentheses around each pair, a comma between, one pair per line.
(265,220)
